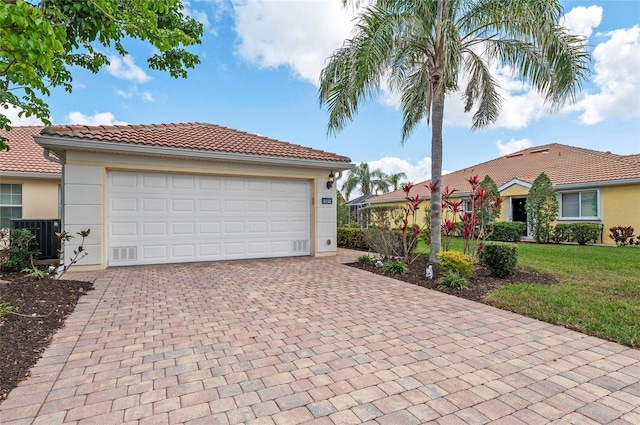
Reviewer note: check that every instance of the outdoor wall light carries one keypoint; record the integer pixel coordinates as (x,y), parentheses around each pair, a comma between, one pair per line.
(332,178)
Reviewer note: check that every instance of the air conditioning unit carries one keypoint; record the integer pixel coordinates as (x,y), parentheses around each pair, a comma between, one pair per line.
(45,232)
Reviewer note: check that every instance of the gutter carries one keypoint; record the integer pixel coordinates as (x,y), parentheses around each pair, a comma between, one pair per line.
(58,159)
(49,142)
(30,175)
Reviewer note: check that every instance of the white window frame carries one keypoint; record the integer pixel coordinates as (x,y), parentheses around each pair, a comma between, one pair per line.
(579,192)
(21,205)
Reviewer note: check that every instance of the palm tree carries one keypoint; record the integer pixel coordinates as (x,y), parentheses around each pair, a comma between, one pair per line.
(394,180)
(423,48)
(369,182)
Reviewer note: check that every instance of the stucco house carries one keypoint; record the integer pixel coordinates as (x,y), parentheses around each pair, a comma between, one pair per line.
(593,186)
(29,183)
(167,193)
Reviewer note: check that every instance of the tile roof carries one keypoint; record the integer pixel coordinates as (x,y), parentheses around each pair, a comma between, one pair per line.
(192,136)
(25,155)
(565,165)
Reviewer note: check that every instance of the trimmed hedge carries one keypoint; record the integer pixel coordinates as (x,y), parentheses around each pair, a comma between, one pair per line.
(499,258)
(351,237)
(456,262)
(507,231)
(582,233)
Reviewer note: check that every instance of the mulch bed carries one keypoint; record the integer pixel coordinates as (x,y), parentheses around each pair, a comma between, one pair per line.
(43,305)
(480,283)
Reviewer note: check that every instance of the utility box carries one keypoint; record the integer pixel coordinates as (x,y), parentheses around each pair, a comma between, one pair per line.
(45,232)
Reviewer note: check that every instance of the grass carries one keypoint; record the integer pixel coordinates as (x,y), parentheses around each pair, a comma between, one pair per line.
(598,293)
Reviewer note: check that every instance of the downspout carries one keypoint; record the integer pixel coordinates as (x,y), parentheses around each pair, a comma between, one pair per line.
(58,160)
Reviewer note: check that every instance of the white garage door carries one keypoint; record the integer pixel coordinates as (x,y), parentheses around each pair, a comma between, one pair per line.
(158,218)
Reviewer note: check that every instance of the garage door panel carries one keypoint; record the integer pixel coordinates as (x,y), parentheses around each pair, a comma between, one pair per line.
(150,205)
(210,227)
(184,228)
(124,180)
(183,182)
(183,205)
(154,181)
(154,229)
(183,251)
(208,205)
(121,204)
(155,218)
(258,226)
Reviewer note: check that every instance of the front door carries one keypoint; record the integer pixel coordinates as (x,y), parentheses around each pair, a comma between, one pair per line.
(519,211)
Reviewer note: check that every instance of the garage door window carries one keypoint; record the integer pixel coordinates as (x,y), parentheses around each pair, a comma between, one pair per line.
(10,203)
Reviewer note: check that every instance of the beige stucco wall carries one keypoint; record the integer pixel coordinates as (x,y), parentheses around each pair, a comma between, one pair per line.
(87,173)
(40,197)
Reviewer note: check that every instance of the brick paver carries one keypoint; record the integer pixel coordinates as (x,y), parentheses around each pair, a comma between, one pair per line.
(304,340)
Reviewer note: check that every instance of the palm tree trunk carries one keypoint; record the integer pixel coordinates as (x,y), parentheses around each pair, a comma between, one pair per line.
(437,118)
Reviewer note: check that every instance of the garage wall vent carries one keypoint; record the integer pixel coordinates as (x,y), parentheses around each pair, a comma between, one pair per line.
(300,246)
(123,253)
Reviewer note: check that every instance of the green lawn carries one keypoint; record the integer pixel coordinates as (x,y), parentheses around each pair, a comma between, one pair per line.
(598,293)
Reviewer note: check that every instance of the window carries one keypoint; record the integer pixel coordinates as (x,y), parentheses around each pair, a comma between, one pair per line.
(582,204)
(10,203)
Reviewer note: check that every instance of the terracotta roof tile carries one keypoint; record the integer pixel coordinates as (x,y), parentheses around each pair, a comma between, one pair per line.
(193,136)
(563,164)
(24,154)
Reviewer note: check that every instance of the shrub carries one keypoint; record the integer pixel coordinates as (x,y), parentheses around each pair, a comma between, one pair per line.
(507,231)
(364,259)
(453,280)
(22,249)
(353,238)
(395,267)
(585,233)
(456,262)
(622,235)
(499,258)
(542,208)
(561,233)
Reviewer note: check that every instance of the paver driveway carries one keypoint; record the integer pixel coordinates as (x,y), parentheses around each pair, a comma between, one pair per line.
(312,341)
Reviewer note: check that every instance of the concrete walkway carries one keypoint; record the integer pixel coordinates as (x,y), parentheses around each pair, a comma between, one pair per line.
(312,341)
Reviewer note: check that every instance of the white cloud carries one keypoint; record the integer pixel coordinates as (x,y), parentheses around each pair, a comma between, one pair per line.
(617,61)
(199,15)
(513,146)
(126,69)
(13,113)
(299,34)
(582,20)
(415,172)
(133,91)
(100,118)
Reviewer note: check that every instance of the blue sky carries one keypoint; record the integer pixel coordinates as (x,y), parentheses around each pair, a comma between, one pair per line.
(261,60)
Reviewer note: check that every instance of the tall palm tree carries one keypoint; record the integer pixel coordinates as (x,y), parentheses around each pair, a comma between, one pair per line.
(394,179)
(423,48)
(369,182)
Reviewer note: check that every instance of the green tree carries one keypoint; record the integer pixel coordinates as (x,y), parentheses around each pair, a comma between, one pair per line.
(542,208)
(41,41)
(342,210)
(424,49)
(486,213)
(369,182)
(395,180)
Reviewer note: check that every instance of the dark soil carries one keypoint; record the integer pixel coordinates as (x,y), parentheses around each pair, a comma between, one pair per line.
(43,305)
(480,283)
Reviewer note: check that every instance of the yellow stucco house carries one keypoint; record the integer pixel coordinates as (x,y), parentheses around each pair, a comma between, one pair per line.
(29,183)
(593,186)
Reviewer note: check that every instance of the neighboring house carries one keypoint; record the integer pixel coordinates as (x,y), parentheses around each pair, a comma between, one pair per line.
(168,193)
(355,205)
(593,186)
(29,183)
